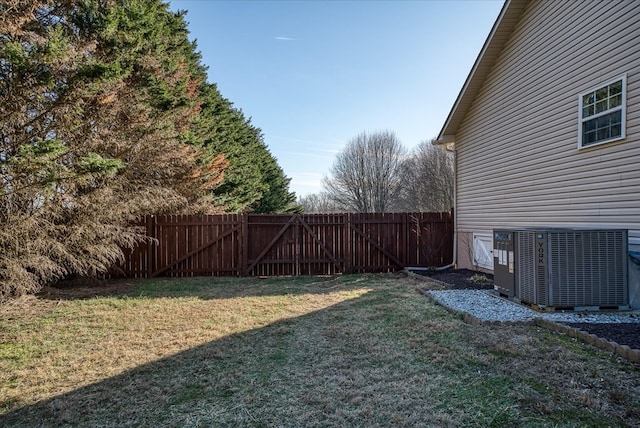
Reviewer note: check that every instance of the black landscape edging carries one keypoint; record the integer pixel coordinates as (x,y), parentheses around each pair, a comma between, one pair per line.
(623,351)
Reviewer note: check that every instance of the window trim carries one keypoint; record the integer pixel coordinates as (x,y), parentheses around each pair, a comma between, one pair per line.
(622,108)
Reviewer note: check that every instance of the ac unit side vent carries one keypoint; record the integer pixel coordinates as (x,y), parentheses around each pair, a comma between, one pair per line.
(525,267)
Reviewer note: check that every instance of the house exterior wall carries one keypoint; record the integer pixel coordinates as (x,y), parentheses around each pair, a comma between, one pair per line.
(518,162)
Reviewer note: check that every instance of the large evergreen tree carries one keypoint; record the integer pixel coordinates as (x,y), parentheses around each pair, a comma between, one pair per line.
(277,198)
(97,99)
(107,115)
(253,182)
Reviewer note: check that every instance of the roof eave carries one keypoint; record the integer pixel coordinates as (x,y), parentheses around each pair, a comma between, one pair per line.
(444,140)
(497,39)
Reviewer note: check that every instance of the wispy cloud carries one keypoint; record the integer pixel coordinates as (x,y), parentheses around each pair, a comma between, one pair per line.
(332,151)
(285,38)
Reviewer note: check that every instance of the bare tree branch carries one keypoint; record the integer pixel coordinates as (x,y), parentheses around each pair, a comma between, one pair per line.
(366,176)
(428,179)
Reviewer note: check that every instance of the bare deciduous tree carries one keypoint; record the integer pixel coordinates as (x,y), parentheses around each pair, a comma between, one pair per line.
(318,203)
(366,175)
(428,179)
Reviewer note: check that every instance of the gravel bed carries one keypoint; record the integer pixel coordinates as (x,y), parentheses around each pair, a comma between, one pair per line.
(486,306)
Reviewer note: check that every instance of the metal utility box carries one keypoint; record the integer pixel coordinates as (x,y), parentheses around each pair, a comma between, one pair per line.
(504,278)
(575,268)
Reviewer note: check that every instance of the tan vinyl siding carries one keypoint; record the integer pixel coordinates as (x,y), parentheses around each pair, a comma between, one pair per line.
(518,160)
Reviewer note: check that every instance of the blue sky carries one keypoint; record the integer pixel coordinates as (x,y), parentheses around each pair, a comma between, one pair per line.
(314,74)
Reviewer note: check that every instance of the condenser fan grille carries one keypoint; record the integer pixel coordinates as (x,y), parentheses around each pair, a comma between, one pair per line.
(586,268)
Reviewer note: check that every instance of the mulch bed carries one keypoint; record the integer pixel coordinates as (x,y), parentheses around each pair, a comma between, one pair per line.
(623,334)
(460,279)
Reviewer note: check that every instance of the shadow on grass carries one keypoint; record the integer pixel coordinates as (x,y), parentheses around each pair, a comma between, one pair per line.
(380,359)
(202,287)
(294,372)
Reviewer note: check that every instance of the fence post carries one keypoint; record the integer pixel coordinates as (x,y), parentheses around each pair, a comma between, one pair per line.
(346,242)
(406,258)
(151,248)
(297,243)
(244,245)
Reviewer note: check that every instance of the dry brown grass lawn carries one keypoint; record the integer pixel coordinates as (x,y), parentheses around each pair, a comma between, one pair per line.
(355,350)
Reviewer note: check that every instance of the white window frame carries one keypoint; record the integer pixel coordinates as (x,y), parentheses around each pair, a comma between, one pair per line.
(622,108)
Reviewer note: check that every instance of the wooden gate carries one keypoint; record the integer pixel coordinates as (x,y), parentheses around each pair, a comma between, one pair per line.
(281,245)
(297,245)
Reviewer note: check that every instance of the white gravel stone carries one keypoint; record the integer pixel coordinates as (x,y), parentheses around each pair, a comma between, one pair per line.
(486,306)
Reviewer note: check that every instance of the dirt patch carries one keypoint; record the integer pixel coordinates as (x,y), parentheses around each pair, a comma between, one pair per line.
(88,289)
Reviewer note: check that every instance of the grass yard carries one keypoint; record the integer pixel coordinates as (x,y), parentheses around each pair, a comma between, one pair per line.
(355,350)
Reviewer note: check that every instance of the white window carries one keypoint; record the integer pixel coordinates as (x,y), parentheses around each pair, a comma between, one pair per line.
(602,113)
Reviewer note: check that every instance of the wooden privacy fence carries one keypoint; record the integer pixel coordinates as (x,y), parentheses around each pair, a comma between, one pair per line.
(300,244)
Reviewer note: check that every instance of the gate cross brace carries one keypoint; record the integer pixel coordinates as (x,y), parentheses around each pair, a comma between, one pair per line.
(271,244)
(315,238)
(197,250)
(294,219)
(379,247)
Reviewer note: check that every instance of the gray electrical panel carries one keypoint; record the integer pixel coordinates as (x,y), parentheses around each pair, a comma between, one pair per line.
(504,278)
(563,267)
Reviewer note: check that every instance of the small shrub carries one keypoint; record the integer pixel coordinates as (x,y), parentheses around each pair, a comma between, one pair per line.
(480,279)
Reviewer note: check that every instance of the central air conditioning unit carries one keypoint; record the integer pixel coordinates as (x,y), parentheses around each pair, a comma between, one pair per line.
(562,268)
